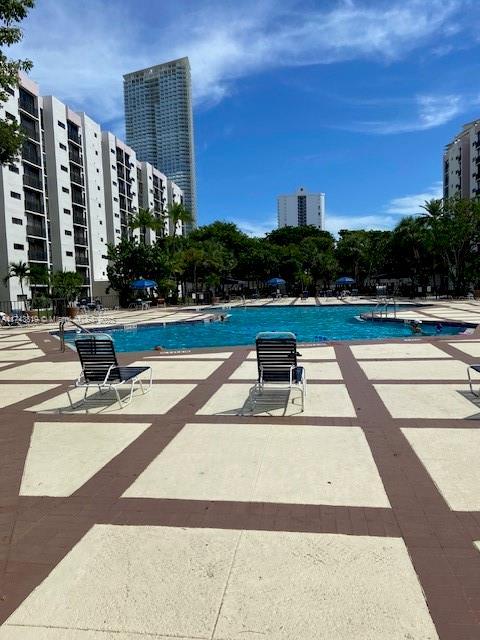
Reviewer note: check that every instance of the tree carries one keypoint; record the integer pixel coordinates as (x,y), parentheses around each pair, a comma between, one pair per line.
(177,213)
(66,285)
(144,220)
(19,270)
(12,12)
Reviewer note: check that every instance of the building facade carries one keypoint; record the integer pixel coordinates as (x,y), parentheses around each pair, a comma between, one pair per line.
(74,189)
(461,163)
(159,122)
(300,209)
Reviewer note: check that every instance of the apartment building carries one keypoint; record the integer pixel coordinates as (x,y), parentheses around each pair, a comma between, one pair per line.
(461,163)
(300,209)
(159,122)
(74,189)
(24,226)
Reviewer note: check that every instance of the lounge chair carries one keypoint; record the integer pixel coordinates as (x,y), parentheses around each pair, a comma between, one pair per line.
(475,367)
(277,362)
(100,369)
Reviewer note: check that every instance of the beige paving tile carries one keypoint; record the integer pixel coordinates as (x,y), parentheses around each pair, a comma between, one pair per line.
(8,632)
(12,393)
(471,348)
(193,356)
(323,587)
(323,400)
(170,370)
(420,370)
(136,580)
(13,337)
(160,399)
(20,354)
(314,371)
(397,350)
(451,458)
(308,353)
(449,401)
(43,371)
(265,463)
(63,455)
(5,364)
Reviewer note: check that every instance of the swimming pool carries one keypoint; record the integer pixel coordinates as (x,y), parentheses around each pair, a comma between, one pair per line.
(310,324)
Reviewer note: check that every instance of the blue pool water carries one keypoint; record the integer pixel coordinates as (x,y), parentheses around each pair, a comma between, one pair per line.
(310,324)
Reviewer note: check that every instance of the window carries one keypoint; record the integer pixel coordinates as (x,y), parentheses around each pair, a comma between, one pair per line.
(100,222)
(67,211)
(98,188)
(101,239)
(114,183)
(10,91)
(117,215)
(17,221)
(95,135)
(115,199)
(65,190)
(10,116)
(105,258)
(15,195)
(69,254)
(20,247)
(67,232)
(13,168)
(60,124)
(62,146)
(63,168)
(99,205)
(98,170)
(96,153)
(112,150)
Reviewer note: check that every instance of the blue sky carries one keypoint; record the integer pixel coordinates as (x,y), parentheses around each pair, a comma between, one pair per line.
(355,98)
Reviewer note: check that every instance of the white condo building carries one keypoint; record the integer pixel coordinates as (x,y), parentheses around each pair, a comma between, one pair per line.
(461,163)
(159,122)
(300,209)
(74,189)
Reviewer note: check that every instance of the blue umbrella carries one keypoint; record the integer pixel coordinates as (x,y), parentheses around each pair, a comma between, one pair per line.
(275,282)
(143,284)
(345,280)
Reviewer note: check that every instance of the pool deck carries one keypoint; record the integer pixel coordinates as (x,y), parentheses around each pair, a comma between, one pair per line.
(193,514)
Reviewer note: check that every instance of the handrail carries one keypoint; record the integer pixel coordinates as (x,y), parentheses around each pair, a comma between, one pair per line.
(384,304)
(61,329)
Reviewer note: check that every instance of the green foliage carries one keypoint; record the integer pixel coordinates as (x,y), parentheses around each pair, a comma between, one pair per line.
(177,213)
(19,270)
(66,285)
(12,12)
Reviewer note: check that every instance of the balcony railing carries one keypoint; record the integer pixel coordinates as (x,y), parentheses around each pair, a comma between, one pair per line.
(78,198)
(38,255)
(28,105)
(80,238)
(76,176)
(30,129)
(37,230)
(74,155)
(79,218)
(31,154)
(81,259)
(32,181)
(33,204)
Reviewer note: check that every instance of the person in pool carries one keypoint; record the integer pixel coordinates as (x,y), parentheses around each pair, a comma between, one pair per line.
(415,327)
(438,328)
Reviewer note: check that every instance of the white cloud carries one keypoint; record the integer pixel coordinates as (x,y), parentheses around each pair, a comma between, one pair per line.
(255,229)
(81,52)
(334,223)
(412,204)
(431,111)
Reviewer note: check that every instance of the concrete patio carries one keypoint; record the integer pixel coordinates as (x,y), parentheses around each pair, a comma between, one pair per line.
(194,514)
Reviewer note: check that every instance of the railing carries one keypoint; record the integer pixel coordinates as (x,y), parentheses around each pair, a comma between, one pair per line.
(28,106)
(61,330)
(31,155)
(37,230)
(32,181)
(74,155)
(381,308)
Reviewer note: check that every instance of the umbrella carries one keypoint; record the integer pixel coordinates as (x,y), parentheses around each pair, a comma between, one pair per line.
(345,280)
(143,284)
(275,282)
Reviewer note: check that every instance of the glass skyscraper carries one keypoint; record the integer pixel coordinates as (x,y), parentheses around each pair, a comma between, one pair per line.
(159,122)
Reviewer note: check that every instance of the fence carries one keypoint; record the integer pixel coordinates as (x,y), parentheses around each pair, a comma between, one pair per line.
(52,307)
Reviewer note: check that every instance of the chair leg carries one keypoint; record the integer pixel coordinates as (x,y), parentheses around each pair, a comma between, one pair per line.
(470,384)
(118,398)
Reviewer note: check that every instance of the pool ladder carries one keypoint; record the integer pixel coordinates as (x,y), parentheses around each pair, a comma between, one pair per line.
(61,330)
(381,308)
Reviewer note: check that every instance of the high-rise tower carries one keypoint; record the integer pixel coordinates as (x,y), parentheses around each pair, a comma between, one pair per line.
(159,122)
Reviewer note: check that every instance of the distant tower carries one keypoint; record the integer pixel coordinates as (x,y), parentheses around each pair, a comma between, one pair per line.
(300,209)
(159,122)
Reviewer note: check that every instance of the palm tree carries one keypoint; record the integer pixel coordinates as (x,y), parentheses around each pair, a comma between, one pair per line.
(144,220)
(19,270)
(177,213)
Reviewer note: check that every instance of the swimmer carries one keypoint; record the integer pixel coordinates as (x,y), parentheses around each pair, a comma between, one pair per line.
(158,348)
(438,328)
(415,327)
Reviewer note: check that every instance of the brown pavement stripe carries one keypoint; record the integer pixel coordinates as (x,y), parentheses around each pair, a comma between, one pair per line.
(440,547)
(458,354)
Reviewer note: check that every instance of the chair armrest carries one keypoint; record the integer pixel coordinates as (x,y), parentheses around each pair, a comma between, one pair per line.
(112,366)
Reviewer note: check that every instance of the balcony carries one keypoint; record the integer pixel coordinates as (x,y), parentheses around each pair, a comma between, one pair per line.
(30,153)
(78,198)
(29,128)
(76,176)
(80,238)
(81,259)
(79,218)
(75,155)
(33,204)
(37,253)
(34,181)
(73,133)
(36,229)
(27,103)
